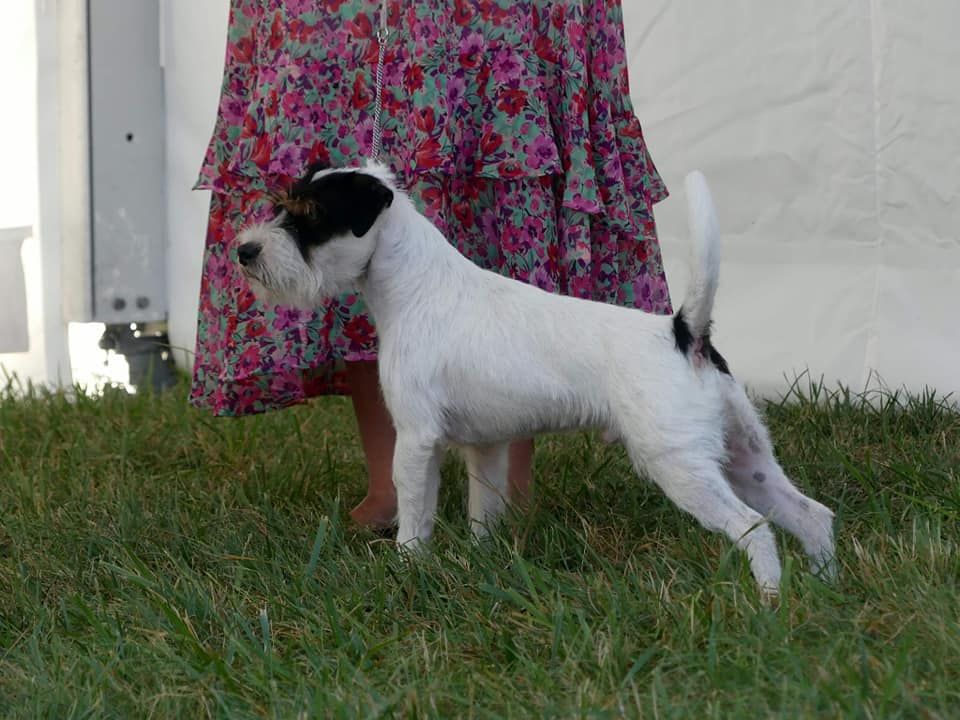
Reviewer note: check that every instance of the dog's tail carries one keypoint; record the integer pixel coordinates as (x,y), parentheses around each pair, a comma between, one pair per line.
(697,306)
(691,324)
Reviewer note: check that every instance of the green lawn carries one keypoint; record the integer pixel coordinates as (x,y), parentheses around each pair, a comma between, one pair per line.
(156,562)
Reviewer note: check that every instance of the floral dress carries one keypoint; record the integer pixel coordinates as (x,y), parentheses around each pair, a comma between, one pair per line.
(508,121)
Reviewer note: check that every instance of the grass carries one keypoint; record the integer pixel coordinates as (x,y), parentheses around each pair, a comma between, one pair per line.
(156,562)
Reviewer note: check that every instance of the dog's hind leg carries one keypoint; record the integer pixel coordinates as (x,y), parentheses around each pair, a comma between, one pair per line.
(697,486)
(757,478)
(416,475)
(487,470)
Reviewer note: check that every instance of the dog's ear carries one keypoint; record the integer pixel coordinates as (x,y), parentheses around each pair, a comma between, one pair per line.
(302,193)
(367,198)
(340,201)
(300,197)
(295,201)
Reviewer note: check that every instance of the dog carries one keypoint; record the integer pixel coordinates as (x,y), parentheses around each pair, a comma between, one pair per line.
(471,359)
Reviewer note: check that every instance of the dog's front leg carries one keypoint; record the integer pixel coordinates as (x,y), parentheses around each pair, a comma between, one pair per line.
(416,475)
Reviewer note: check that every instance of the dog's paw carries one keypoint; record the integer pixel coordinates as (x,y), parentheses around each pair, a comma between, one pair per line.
(770,597)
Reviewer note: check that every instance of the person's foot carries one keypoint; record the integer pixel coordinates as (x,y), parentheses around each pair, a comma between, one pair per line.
(377,512)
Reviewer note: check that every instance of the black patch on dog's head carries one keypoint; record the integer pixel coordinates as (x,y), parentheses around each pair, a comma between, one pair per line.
(315,167)
(335,204)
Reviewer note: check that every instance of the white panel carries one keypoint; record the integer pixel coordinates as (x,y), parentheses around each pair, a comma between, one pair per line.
(127,161)
(69,182)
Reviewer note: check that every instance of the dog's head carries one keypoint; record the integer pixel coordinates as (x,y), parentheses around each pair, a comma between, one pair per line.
(321,239)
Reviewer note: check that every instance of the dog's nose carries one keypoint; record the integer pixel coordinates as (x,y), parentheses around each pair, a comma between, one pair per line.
(248,252)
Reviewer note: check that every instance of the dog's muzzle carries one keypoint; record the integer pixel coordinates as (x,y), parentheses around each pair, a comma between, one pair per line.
(248,252)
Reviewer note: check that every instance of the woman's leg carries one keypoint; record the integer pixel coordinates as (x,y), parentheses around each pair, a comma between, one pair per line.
(520,471)
(377,437)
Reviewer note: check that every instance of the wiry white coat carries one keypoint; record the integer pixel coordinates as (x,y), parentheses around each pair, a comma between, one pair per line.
(470,358)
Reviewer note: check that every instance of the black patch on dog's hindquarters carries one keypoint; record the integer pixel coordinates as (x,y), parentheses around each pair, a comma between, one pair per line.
(348,201)
(681,333)
(716,358)
(685,343)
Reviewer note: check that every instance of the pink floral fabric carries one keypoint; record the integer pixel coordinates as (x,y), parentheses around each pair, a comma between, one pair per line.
(508,121)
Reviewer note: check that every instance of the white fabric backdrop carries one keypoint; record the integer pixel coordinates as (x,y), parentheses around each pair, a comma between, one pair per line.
(829,132)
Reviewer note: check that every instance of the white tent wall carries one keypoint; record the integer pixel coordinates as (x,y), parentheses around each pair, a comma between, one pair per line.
(828,132)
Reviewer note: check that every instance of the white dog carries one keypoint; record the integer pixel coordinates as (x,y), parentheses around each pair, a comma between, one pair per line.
(473,359)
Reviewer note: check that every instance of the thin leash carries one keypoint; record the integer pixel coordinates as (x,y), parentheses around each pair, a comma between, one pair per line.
(383,34)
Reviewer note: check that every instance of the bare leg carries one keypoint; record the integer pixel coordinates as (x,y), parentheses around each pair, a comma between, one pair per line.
(520,474)
(377,437)
(487,470)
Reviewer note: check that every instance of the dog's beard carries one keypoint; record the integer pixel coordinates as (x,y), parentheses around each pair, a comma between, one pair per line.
(301,292)
(260,291)
(280,275)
